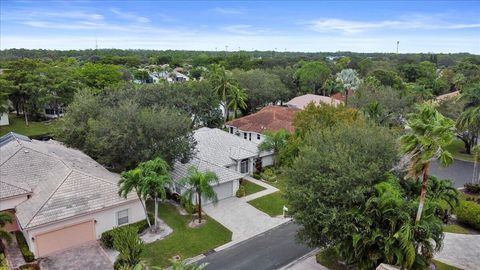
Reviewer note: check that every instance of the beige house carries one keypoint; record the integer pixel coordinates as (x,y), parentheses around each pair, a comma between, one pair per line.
(61,197)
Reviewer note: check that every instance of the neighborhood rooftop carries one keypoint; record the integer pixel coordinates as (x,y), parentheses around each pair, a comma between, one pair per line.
(63,182)
(270,118)
(301,102)
(180,170)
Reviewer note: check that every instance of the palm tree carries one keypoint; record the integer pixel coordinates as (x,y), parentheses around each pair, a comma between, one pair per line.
(222,84)
(428,138)
(237,97)
(274,141)
(199,184)
(155,177)
(5,218)
(131,181)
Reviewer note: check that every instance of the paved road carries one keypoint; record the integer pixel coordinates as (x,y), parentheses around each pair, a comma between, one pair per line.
(460,172)
(270,250)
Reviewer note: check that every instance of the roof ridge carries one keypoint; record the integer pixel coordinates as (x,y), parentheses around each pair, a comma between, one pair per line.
(15,186)
(49,197)
(52,156)
(21,146)
(93,176)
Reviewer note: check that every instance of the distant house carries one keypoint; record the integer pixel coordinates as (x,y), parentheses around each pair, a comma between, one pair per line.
(4,119)
(227,155)
(301,102)
(60,197)
(180,77)
(271,118)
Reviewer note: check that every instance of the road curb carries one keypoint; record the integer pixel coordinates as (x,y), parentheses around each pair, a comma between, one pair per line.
(304,257)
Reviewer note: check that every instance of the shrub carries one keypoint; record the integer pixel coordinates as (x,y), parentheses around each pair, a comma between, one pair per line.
(107,237)
(22,244)
(268,175)
(29,266)
(130,246)
(472,188)
(240,191)
(469,214)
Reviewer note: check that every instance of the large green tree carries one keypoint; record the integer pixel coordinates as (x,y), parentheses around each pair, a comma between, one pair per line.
(5,218)
(312,76)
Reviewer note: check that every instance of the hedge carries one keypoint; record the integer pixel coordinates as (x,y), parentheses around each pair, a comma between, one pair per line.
(22,244)
(107,237)
(469,213)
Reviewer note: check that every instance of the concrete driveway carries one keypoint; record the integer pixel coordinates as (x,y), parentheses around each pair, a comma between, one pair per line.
(86,256)
(241,218)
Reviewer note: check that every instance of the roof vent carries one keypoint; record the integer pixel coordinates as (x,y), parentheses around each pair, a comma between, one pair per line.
(26,151)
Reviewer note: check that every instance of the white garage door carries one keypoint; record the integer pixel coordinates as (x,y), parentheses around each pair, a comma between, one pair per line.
(224,190)
(63,238)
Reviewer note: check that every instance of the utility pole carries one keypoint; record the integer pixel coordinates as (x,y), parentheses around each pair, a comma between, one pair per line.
(398,42)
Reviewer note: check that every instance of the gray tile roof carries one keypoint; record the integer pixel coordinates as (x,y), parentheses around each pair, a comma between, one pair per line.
(224,175)
(65,182)
(222,148)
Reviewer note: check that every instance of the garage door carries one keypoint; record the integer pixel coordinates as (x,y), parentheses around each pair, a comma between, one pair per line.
(224,190)
(63,238)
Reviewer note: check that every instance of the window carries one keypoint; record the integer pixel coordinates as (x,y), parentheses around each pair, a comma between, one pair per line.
(231,130)
(258,136)
(249,136)
(122,217)
(245,135)
(244,166)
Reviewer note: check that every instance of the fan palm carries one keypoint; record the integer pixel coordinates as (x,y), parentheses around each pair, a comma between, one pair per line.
(274,141)
(428,138)
(155,177)
(237,97)
(5,218)
(131,181)
(199,184)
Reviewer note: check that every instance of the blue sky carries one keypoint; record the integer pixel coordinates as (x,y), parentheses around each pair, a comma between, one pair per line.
(361,26)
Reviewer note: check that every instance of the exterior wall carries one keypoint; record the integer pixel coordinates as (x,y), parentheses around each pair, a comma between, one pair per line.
(267,160)
(12,202)
(4,119)
(250,135)
(105,220)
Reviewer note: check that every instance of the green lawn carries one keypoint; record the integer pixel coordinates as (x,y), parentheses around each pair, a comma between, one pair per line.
(271,204)
(184,241)
(457,148)
(34,129)
(453,228)
(328,258)
(443,266)
(251,187)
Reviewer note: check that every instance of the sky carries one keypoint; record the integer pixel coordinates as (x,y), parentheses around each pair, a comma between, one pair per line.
(309,26)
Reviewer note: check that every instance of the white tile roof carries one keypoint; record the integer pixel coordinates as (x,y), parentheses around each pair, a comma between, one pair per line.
(301,102)
(222,148)
(65,182)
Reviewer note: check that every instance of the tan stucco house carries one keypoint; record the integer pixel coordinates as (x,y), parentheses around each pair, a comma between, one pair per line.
(61,197)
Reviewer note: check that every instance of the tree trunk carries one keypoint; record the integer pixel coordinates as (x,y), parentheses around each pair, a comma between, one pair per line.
(346,98)
(25,114)
(468,147)
(423,194)
(199,207)
(145,210)
(155,229)
(227,113)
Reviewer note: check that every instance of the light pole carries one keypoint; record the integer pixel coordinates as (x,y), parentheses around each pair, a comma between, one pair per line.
(398,42)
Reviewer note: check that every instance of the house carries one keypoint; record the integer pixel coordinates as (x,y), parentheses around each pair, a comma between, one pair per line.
(301,102)
(60,197)
(271,118)
(4,119)
(180,77)
(225,154)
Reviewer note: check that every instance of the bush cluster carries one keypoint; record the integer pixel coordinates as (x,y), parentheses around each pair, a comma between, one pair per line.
(473,188)
(22,244)
(268,175)
(240,191)
(469,213)
(107,237)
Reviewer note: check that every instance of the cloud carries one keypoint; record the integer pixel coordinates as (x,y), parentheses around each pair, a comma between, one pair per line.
(241,29)
(130,16)
(229,11)
(412,22)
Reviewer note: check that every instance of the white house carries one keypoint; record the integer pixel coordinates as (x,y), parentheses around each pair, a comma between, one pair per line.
(60,197)
(4,119)
(225,154)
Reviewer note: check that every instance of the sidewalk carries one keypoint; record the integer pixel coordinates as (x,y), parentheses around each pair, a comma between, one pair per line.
(14,256)
(268,189)
(307,262)
(461,250)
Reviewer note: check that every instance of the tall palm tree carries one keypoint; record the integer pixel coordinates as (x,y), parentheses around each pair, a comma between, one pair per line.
(428,138)
(155,177)
(5,218)
(222,83)
(199,184)
(237,97)
(131,181)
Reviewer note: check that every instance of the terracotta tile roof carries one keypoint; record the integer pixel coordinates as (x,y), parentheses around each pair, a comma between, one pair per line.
(271,118)
(341,95)
(301,102)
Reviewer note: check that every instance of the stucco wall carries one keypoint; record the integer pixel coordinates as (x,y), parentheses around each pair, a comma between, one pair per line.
(4,119)
(241,134)
(12,202)
(106,220)
(267,160)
